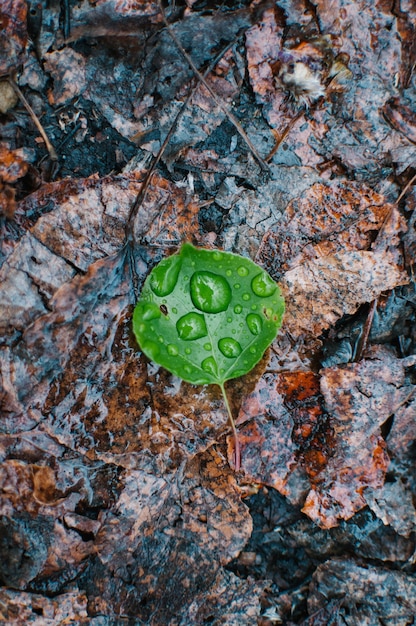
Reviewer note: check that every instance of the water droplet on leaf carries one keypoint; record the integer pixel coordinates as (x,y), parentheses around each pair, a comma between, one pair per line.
(209,365)
(191,326)
(149,311)
(210,292)
(165,275)
(263,286)
(229,347)
(151,349)
(172,349)
(238,308)
(254,323)
(242,271)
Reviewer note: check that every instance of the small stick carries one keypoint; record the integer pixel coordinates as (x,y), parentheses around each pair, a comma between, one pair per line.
(216,99)
(52,153)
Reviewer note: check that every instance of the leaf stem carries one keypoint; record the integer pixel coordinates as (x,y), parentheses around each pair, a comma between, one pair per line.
(237,449)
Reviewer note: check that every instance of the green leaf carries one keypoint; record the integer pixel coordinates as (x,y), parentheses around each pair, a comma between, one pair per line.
(207,316)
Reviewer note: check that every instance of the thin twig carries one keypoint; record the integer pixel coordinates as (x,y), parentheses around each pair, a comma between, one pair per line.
(215,97)
(52,153)
(282,136)
(363,341)
(406,188)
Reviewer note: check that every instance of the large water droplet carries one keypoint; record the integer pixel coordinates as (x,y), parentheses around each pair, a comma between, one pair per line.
(165,275)
(254,323)
(263,286)
(172,349)
(210,292)
(149,311)
(209,365)
(242,271)
(229,347)
(191,326)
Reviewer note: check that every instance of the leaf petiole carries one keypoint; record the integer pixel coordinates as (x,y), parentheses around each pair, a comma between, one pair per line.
(237,449)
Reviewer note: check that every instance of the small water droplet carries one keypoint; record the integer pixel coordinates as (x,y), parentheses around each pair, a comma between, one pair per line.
(210,292)
(263,286)
(172,349)
(187,369)
(228,273)
(242,271)
(188,350)
(207,347)
(151,349)
(217,256)
(254,307)
(229,320)
(160,339)
(238,308)
(252,350)
(191,326)
(149,311)
(246,296)
(229,347)
(209,365)
(174,310)
(164,277)
(237,286)
(268,312)
(254,323)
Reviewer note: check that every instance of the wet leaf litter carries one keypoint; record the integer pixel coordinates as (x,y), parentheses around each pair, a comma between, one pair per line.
(208,316)
(116,483)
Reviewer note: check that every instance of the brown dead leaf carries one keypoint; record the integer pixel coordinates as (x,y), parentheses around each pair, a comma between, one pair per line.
(13,34)
(12,167)
(325,219)
(320,292)
(168,535)
(302,433)
(359,397)
(232,600)
(20,608)
(324,242)
(285,438)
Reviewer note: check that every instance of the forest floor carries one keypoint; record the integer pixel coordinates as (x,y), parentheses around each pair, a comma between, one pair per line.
(284,132)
